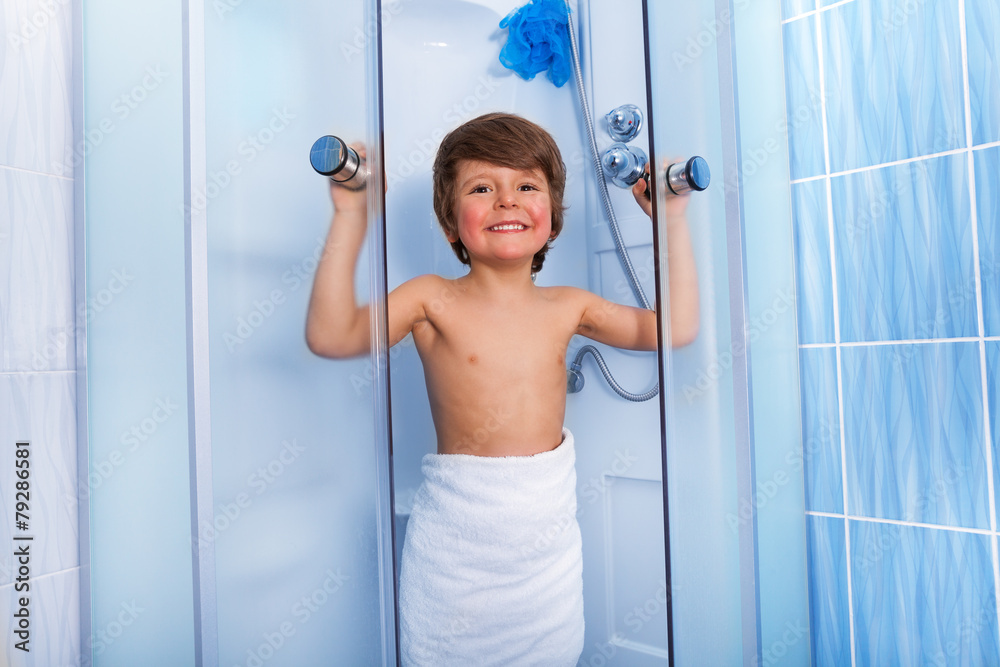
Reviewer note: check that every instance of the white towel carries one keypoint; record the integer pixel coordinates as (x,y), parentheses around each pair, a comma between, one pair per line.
(491,572)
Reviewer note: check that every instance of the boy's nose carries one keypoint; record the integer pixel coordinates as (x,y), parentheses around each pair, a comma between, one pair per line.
(507,198)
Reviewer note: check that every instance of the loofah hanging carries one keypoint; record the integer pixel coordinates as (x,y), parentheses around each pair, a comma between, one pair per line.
(538,40)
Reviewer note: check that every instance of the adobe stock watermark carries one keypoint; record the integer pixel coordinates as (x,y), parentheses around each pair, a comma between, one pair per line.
(60,339)
(642,614)
(969,630)
(696,45)
(253,145)
(900,15)
(430,651)
(653,609)
(264,308)
(354,48)
(590,491)
(106,636)
(32,26)
(779,648)
(223,8)
(122,107)
(425,149)
(302,610)
(228,513)
(101,470)
(708,377)
(604,651)
(796,461)
(361,382)
(754,158)
(889,535)
(866,217)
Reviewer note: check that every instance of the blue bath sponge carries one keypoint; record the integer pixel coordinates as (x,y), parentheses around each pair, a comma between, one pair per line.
(538,40)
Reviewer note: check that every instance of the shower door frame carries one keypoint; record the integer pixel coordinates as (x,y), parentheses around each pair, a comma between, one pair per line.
(195,179)
(736,263)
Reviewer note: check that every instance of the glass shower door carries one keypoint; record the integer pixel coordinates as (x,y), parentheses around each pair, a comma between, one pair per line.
(293,439)
(734,453)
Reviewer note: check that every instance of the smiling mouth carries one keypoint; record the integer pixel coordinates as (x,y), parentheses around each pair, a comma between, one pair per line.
(507,227)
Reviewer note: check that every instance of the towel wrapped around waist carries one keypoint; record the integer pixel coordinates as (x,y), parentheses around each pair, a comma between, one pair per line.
(491,571)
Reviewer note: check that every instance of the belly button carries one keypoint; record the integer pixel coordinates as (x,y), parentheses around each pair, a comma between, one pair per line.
(473,358)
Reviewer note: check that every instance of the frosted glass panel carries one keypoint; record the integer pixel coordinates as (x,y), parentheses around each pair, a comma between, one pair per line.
(292,434)
(136,344)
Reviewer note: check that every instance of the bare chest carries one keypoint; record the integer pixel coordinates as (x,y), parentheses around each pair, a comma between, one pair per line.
(509,341)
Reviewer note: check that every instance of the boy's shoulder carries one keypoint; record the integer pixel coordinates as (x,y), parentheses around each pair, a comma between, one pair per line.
(567,293)
(423,287)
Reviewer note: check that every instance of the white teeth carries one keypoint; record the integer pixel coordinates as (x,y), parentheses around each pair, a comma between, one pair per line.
(506,227)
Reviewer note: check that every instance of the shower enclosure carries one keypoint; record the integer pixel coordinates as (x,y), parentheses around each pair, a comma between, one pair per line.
(250,498)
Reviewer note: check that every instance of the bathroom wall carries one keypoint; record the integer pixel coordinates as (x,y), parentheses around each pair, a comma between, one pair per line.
(39,325)
(892,107)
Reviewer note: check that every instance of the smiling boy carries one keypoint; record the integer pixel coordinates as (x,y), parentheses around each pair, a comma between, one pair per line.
(493,346)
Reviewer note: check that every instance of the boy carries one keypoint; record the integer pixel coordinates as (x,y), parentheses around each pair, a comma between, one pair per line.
(477,584)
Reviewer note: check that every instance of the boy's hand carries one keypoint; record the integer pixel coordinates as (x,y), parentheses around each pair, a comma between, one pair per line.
(347,200)
(675,205)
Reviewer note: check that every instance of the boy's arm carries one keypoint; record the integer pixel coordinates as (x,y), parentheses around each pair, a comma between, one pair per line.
(681,268)
(633,328)
(336,326)
(615,324)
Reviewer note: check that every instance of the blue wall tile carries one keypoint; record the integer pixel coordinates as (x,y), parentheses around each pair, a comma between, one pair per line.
(987,166)
(982,20)
(821,430)
(814,277)
(804,112)
(828,608)
(904,251)
(894,83)
(913,426)
(922,596)
(993,409)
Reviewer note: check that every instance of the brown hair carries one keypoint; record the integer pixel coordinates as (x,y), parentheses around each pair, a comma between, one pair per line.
(505,140)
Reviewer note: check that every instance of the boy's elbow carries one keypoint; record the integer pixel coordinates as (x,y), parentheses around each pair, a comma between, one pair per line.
(330,347)
(684,335)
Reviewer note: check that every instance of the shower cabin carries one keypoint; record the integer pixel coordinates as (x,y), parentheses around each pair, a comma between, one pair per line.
(261,521)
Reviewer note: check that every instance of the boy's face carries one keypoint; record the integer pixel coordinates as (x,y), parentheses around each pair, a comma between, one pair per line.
(502,213)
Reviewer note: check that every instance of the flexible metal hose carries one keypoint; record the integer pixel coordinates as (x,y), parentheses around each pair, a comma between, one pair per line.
(577,377)
(599,169)
(612,223)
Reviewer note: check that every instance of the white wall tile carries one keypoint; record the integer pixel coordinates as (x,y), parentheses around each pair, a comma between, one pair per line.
(37,326)
(40,408)
(54,631)
(36,114)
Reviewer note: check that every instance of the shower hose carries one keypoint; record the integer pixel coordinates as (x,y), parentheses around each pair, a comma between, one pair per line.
(575,378)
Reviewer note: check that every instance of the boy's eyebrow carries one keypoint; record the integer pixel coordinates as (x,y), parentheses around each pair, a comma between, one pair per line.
(533,175)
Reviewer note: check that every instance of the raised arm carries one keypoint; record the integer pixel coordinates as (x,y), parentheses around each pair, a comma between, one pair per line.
(681,269)
(336,325)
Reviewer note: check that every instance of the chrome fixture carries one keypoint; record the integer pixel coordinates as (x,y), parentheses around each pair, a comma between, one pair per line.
(624,164)
(687,176)
(331,157)
(624,122)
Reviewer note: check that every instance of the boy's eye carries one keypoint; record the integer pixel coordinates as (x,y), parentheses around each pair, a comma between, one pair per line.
(481,188)
(527,186)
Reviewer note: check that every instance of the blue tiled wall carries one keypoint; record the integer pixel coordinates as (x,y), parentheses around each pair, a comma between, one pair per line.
(892,109)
